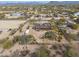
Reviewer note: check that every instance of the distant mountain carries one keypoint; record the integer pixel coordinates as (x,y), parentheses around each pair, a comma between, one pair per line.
(22,2)
(38,2)
(63,2)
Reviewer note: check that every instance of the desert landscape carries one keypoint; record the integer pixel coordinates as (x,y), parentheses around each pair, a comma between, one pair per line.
(39,29)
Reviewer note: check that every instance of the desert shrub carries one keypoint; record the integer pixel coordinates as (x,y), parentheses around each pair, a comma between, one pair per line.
(56,47)
(23,39)
(60,22)
(70,53)
(2,16)
(16,39)
(15,53)
(26,38)
(50,35)
(20,27)
(18,53)
(70,37)
(12,32)
(4,40)
(7,44)
(65,50)
(59,52)
(24,53)
(59,38)
(42,52)
(74,26)
(77,37)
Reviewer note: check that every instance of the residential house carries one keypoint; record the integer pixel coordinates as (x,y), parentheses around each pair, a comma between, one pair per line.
(44,26)
(14,15)
(76,14)
(42,17)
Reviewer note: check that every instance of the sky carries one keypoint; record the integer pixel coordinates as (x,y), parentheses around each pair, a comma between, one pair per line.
(39,0)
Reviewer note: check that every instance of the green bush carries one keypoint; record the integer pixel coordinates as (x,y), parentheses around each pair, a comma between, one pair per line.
(70,37)
(3,40)
(50,35)
(70,53)
(61,22)
(16,39)
(24,39)
(20,27)
(7,44)
(42,52)
(12,32)
(75,26)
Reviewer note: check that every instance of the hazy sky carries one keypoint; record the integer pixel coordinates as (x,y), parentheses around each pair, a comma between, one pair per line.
(39,0)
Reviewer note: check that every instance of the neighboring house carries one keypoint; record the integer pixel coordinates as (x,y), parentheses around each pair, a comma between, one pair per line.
(65,13)
(57,18)
(14,15)
(70,22)
(42,17)
(62,26)
(44,26)
(76,14)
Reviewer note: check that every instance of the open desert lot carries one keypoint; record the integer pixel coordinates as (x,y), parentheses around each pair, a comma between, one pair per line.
(6,24)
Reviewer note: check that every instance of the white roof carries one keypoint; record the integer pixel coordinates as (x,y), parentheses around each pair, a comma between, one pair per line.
(27,31)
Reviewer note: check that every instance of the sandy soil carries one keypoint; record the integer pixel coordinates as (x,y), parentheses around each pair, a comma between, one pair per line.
(8,24)
(5,24)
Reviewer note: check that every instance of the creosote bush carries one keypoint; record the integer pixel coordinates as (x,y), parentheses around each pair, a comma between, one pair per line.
(23,39)
(42,52)
(70,53)
(7,44)
(74,26)
(50,35)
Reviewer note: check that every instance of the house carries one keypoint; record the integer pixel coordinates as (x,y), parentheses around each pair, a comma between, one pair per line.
(70,22)
(62,26)
(42,17)
(57,18)
(76,14)
(14,15)
(64,13)
(44,26)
